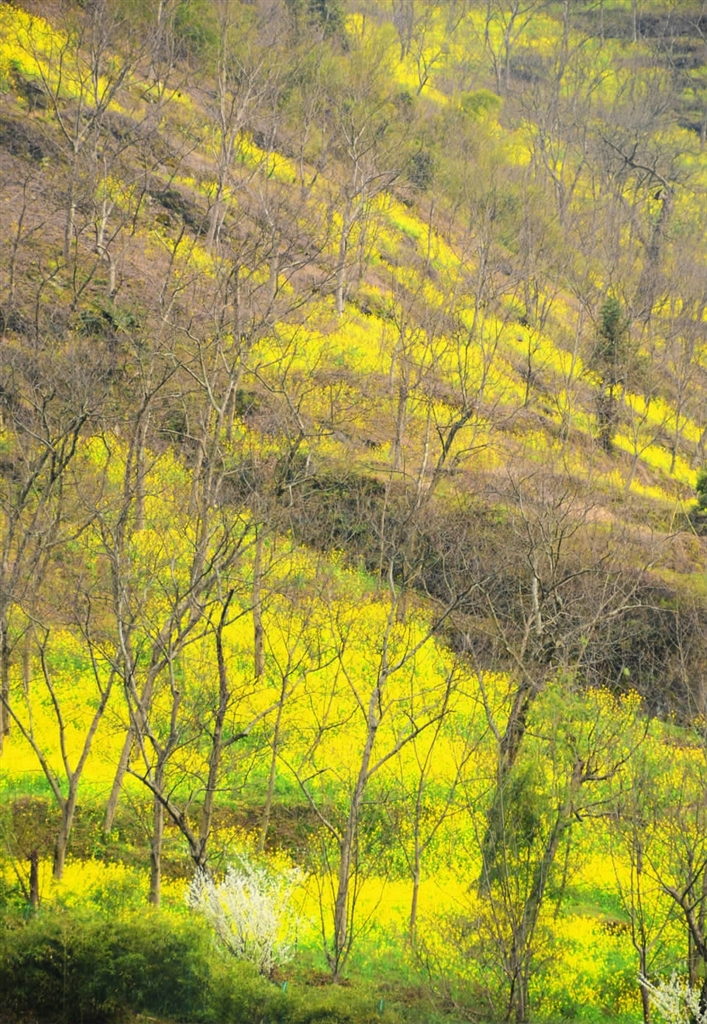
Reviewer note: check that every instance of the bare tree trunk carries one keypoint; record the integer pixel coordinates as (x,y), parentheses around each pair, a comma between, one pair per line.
(531,911)
(217,743)
(216,219)
(265,822)
(508,749)
(34,879)
(134,731)
(645,998)
(70,212)
(416,875)
(140,472)
(340,292)
(123,763)
(342,924)
(156,852)
(196,477)
(400,420)
(68,808)
(274,276)
(4,682)
(26,664)
(258,636)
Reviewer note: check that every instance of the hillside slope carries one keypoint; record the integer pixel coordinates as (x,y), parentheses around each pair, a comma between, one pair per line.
(352,452)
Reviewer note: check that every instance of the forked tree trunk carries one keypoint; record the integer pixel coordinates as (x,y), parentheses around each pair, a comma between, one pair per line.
(123,762)
(68,808)
(199,853)
(342,922)
(267,809)
(508,750)
(523,934)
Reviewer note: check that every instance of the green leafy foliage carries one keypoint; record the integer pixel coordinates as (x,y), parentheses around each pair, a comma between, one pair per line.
(68,967)
(195,28)
(611,350)
(701,488)
(71,966)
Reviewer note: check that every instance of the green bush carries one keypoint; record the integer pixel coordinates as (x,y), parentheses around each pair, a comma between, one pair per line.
(65,966)
(701,488)
(481,104)
(70,967)
(239,995)
(195,29)
(338,1006)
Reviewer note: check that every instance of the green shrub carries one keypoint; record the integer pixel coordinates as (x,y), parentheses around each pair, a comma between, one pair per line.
(195,29)
(481,104)
(65,966)
(70,967)
(239,995)
(701,488)
(340,1006)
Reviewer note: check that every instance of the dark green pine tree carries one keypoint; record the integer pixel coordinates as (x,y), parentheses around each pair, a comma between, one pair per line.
(325,15)
(609,361)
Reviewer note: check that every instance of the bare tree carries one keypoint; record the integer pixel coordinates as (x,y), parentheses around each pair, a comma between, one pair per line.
(48,399)
(245,73)
(539,815)
(392,710)
(428,798)
(363,155)
(637,804)
(504,26)
(81,75)
(566,600)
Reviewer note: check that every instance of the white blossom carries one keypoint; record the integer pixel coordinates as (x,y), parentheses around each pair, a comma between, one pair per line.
(251,911)
(675,1001)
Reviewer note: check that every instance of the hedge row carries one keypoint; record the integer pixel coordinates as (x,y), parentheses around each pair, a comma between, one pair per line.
(66,967)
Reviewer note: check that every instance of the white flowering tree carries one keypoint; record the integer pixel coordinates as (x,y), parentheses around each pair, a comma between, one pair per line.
(251,911)
(675,1001)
